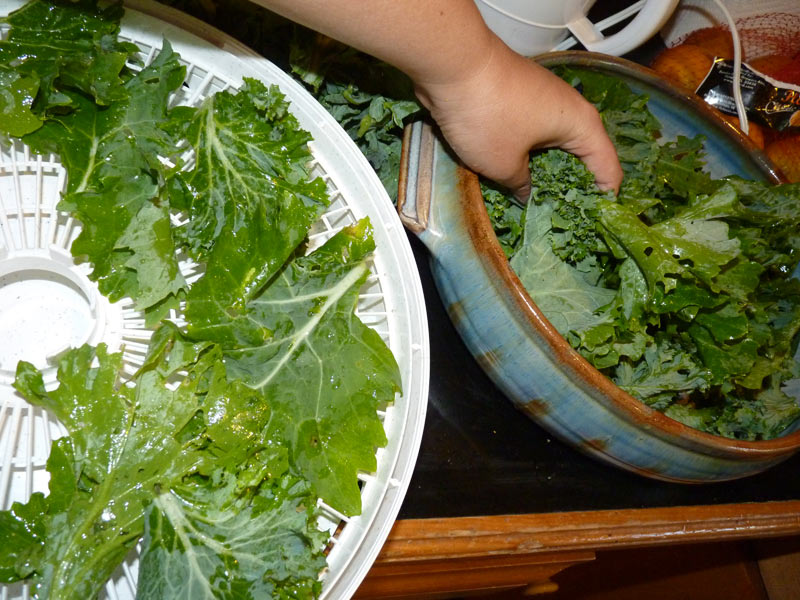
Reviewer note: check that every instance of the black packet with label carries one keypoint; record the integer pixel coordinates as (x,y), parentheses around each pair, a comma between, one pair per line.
(767,101)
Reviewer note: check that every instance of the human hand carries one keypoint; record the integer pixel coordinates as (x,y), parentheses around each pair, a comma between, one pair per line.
(495,114)
(493,105)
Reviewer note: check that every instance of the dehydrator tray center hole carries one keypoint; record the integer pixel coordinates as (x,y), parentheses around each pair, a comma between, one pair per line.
(44,309)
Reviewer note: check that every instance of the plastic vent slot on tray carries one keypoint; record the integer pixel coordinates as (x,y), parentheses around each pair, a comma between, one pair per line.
(48,303)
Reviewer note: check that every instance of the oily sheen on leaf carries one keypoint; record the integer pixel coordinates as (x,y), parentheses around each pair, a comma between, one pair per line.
(323,371)
(120,446)
(114,173)
(209,545)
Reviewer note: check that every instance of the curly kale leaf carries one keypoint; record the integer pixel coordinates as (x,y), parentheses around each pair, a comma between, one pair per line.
(562,181)
(665,368)
(565,295)
(324,372)
(115,180)
(506,217)
(120,448)
(249,198)
(266,545)
(250,163)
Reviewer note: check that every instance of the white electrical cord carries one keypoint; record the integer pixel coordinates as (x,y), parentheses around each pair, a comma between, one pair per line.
(633,9)
(737,69)
(619,17)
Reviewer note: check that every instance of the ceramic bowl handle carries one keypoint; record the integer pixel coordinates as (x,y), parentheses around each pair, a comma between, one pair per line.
(415,183)
(650,18)
(431,188)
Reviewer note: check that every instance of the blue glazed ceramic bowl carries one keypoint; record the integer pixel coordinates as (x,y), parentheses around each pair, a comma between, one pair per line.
(515,344)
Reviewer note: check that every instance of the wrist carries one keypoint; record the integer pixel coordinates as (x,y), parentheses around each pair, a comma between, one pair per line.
(475,73)
(489,79)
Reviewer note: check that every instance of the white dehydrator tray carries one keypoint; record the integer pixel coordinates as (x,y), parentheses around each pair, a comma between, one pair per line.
(47,302)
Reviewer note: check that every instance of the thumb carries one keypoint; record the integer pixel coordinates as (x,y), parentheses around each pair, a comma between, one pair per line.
(520,184)
(606,168)
(594,147)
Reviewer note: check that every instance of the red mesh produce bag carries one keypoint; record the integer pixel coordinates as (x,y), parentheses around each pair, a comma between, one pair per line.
(770,36)
(766,27)
(774,33)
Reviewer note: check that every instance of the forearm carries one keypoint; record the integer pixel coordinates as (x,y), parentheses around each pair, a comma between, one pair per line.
(416,36)
(492,105)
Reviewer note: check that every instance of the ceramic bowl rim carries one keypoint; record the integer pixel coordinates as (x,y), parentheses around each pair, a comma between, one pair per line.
(591,380)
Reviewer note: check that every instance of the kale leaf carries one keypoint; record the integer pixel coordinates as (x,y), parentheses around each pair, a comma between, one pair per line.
(249,200)
(370,99)
(74,46)
(266,544)
(115,181)
(182,464)
(324,371)
(121,448)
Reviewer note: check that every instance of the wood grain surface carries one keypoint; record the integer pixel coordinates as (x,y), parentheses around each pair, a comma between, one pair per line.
(445,558)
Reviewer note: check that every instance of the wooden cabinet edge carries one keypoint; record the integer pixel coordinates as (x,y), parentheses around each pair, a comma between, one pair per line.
(460,576)
(440,558)
(592,530)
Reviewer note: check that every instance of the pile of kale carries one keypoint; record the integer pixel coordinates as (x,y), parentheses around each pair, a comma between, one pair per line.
(680,289)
